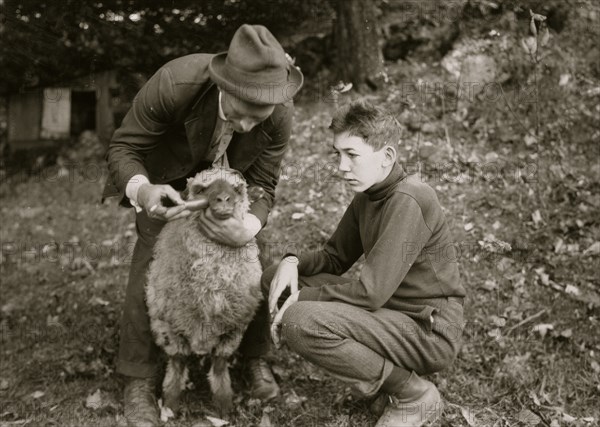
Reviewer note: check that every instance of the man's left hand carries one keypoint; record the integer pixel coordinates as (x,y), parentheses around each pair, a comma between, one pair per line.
(276,325)
(231,231)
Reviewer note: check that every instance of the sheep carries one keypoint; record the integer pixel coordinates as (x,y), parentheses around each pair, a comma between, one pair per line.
(201,295)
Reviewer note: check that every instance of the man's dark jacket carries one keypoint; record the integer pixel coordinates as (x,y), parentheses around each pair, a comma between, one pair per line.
(167,134)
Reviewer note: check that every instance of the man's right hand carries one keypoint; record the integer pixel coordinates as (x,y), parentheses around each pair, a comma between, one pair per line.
(162,202)
(286,275)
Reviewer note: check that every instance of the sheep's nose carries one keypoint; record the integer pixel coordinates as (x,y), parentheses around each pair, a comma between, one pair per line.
(222,198)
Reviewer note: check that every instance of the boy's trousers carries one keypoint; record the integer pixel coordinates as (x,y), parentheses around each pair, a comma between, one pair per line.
(138,355)
(361,347)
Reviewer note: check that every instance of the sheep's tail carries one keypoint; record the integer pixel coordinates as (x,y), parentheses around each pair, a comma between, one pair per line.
(220,384)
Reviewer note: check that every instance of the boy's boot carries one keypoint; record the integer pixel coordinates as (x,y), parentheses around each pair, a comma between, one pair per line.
(262,383)
(417,403)
(140,406)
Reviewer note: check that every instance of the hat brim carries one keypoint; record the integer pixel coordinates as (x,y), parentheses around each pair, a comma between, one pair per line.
(255,92)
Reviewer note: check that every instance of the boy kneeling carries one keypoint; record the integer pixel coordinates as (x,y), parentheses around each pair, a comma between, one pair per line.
(404,316)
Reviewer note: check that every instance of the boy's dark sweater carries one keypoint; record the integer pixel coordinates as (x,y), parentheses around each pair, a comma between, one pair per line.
(409,254)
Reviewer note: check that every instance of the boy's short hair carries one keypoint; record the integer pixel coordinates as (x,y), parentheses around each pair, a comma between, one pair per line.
(374,125)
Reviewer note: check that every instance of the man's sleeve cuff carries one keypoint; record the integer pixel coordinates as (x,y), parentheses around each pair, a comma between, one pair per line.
(132,188)
(252,223)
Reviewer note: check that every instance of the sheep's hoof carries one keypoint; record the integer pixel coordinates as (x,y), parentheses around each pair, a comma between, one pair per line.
(224,404)
(172,403)
(166,412)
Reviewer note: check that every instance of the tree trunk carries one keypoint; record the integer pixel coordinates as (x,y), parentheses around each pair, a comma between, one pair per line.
(359,59)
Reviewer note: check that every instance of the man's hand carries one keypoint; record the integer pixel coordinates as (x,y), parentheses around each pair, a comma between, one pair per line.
(286,275)
(164,202)
(231,231)
(276,325)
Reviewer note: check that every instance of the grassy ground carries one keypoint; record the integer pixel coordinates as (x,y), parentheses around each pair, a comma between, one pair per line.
(524,213)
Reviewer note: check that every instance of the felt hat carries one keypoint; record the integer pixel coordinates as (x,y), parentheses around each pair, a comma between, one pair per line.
(255,68)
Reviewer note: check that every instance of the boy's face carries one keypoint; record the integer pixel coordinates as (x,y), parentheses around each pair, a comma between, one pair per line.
(360,165)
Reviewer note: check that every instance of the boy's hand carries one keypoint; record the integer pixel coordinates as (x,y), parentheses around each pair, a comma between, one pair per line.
(286,275)
(276,325)
(231,231)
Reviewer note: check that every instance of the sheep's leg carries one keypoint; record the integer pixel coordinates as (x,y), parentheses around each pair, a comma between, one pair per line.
(220,385)
(229,343)
(174,382)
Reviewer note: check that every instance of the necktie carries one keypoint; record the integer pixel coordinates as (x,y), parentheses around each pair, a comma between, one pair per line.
(220,143)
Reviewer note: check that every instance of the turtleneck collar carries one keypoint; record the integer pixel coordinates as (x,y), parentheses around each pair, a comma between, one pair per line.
(381,189)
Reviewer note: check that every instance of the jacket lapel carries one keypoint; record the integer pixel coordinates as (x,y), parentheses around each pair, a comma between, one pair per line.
(200,123)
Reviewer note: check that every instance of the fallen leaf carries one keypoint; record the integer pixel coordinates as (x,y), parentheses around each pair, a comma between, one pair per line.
(468,416)
(98,301)
(469,226)
(293,401)
(495,333)
(254,403)
(595,366)
(536,217)
(572,290)
(217,422)
(493,245)
(528,417)
(37,394)
(530,140)
(544,278)
(568,418)
(564,79)
(593,250)
(535,398)
(573,248)
(504,264)
(94,401)
(543,328)
(567,333)
(490,285)
(491,157)
(558,245)
(298,215)
(498,321)
(4,384)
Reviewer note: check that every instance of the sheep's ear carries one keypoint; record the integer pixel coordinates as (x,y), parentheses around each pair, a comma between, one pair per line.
(255,193)
(185,194)
(239,177)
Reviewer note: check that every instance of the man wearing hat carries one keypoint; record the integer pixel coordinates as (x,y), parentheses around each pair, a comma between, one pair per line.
(231,108)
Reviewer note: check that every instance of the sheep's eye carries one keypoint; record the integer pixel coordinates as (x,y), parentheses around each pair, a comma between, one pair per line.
(197,189)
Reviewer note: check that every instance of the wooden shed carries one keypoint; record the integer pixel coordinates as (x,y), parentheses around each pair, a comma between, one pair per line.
(46,116)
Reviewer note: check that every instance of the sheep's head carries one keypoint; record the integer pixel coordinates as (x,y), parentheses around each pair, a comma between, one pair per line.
(224,188)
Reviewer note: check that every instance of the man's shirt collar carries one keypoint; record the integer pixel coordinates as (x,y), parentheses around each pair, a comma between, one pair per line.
(221,113)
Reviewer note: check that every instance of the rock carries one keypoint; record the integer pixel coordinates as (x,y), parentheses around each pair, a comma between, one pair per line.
(474,69)
(427,41)
(399,46)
